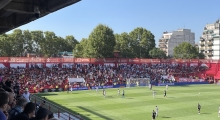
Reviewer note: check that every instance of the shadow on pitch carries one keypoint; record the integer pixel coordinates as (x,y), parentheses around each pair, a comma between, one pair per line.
(165,117)
(205,113)
(63,107)
(110,97)
(95,113)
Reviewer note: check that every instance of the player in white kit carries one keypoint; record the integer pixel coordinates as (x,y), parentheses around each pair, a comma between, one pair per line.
(118,92)
(166,87)
(219,111)
(157,109)
(104,93)
(97,88)
(154,93)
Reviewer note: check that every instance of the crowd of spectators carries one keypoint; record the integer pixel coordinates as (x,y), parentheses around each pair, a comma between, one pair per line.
(55,76)
(15,106)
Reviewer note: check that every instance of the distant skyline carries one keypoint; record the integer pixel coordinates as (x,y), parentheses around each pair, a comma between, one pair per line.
(156,16)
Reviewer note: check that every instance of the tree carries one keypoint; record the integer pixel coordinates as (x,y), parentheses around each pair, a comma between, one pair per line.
(70,42)
(6,46)
(123,44)
(17,39)
(185,51)
(157,53)
(28,42)
(141,42)
(201,55)
(38,41)
(81,49)
(101,42)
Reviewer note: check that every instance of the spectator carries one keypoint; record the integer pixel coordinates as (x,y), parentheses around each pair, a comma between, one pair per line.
(8,83)
(26,95)
(17,88)
(12,100)
(28,113)
(4,99)
(50,116)
(19,107)
(2,90)
(42,114)
(54,119)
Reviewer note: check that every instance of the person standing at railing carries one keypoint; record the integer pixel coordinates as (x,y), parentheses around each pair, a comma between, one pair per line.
(21,102)
(3,105)
(29,112)
(26,95)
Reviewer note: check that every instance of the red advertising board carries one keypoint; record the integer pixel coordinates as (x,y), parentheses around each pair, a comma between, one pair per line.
(18,59)
(165,61)
(155,60)
(145,60)
(194,61)
(101,60)
(4,59)
(52,60)
(134,60)
(123,60)
(82,60)
(67,60)
(36,60)
(110,60)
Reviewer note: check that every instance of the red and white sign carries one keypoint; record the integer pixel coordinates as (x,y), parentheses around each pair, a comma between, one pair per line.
(82,60)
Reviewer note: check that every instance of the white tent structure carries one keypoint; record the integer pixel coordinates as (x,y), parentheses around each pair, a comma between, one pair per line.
(72,80)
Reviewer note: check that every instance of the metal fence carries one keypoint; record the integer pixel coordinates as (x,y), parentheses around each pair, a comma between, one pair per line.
(59,112)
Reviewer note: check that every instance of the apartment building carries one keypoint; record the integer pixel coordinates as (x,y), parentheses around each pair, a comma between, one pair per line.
(209,43)
(170,40)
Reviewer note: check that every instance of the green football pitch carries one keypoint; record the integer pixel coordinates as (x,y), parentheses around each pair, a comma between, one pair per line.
(180,104)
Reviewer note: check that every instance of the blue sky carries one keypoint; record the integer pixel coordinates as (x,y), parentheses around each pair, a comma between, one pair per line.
(124,15)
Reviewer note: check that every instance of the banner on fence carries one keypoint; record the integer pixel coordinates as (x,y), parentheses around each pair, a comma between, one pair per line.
(190,80)
(103,87)
(164,84)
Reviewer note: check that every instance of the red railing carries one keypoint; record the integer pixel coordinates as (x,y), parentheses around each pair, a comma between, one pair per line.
(100,60)
(59,112)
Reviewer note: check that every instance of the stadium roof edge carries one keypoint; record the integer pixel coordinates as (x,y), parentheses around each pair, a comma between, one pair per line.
(15,13)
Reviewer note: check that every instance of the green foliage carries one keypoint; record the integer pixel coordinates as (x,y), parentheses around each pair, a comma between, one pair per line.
(123,45)
(157,53)
(141,42)
(81,49)
(101,42)
(19,43)
(186,51)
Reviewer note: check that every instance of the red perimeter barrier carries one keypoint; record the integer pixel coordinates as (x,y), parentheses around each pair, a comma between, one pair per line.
(100,60)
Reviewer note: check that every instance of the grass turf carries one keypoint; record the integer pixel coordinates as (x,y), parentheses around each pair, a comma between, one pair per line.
(180,104)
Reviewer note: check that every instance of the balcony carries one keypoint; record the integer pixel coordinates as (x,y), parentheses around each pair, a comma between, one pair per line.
(202,48)
(210,39)
(202,39)
(163,40)
(205,28)
(210,49)
(210,44)
(210,54)
(162,46)
(202,44)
